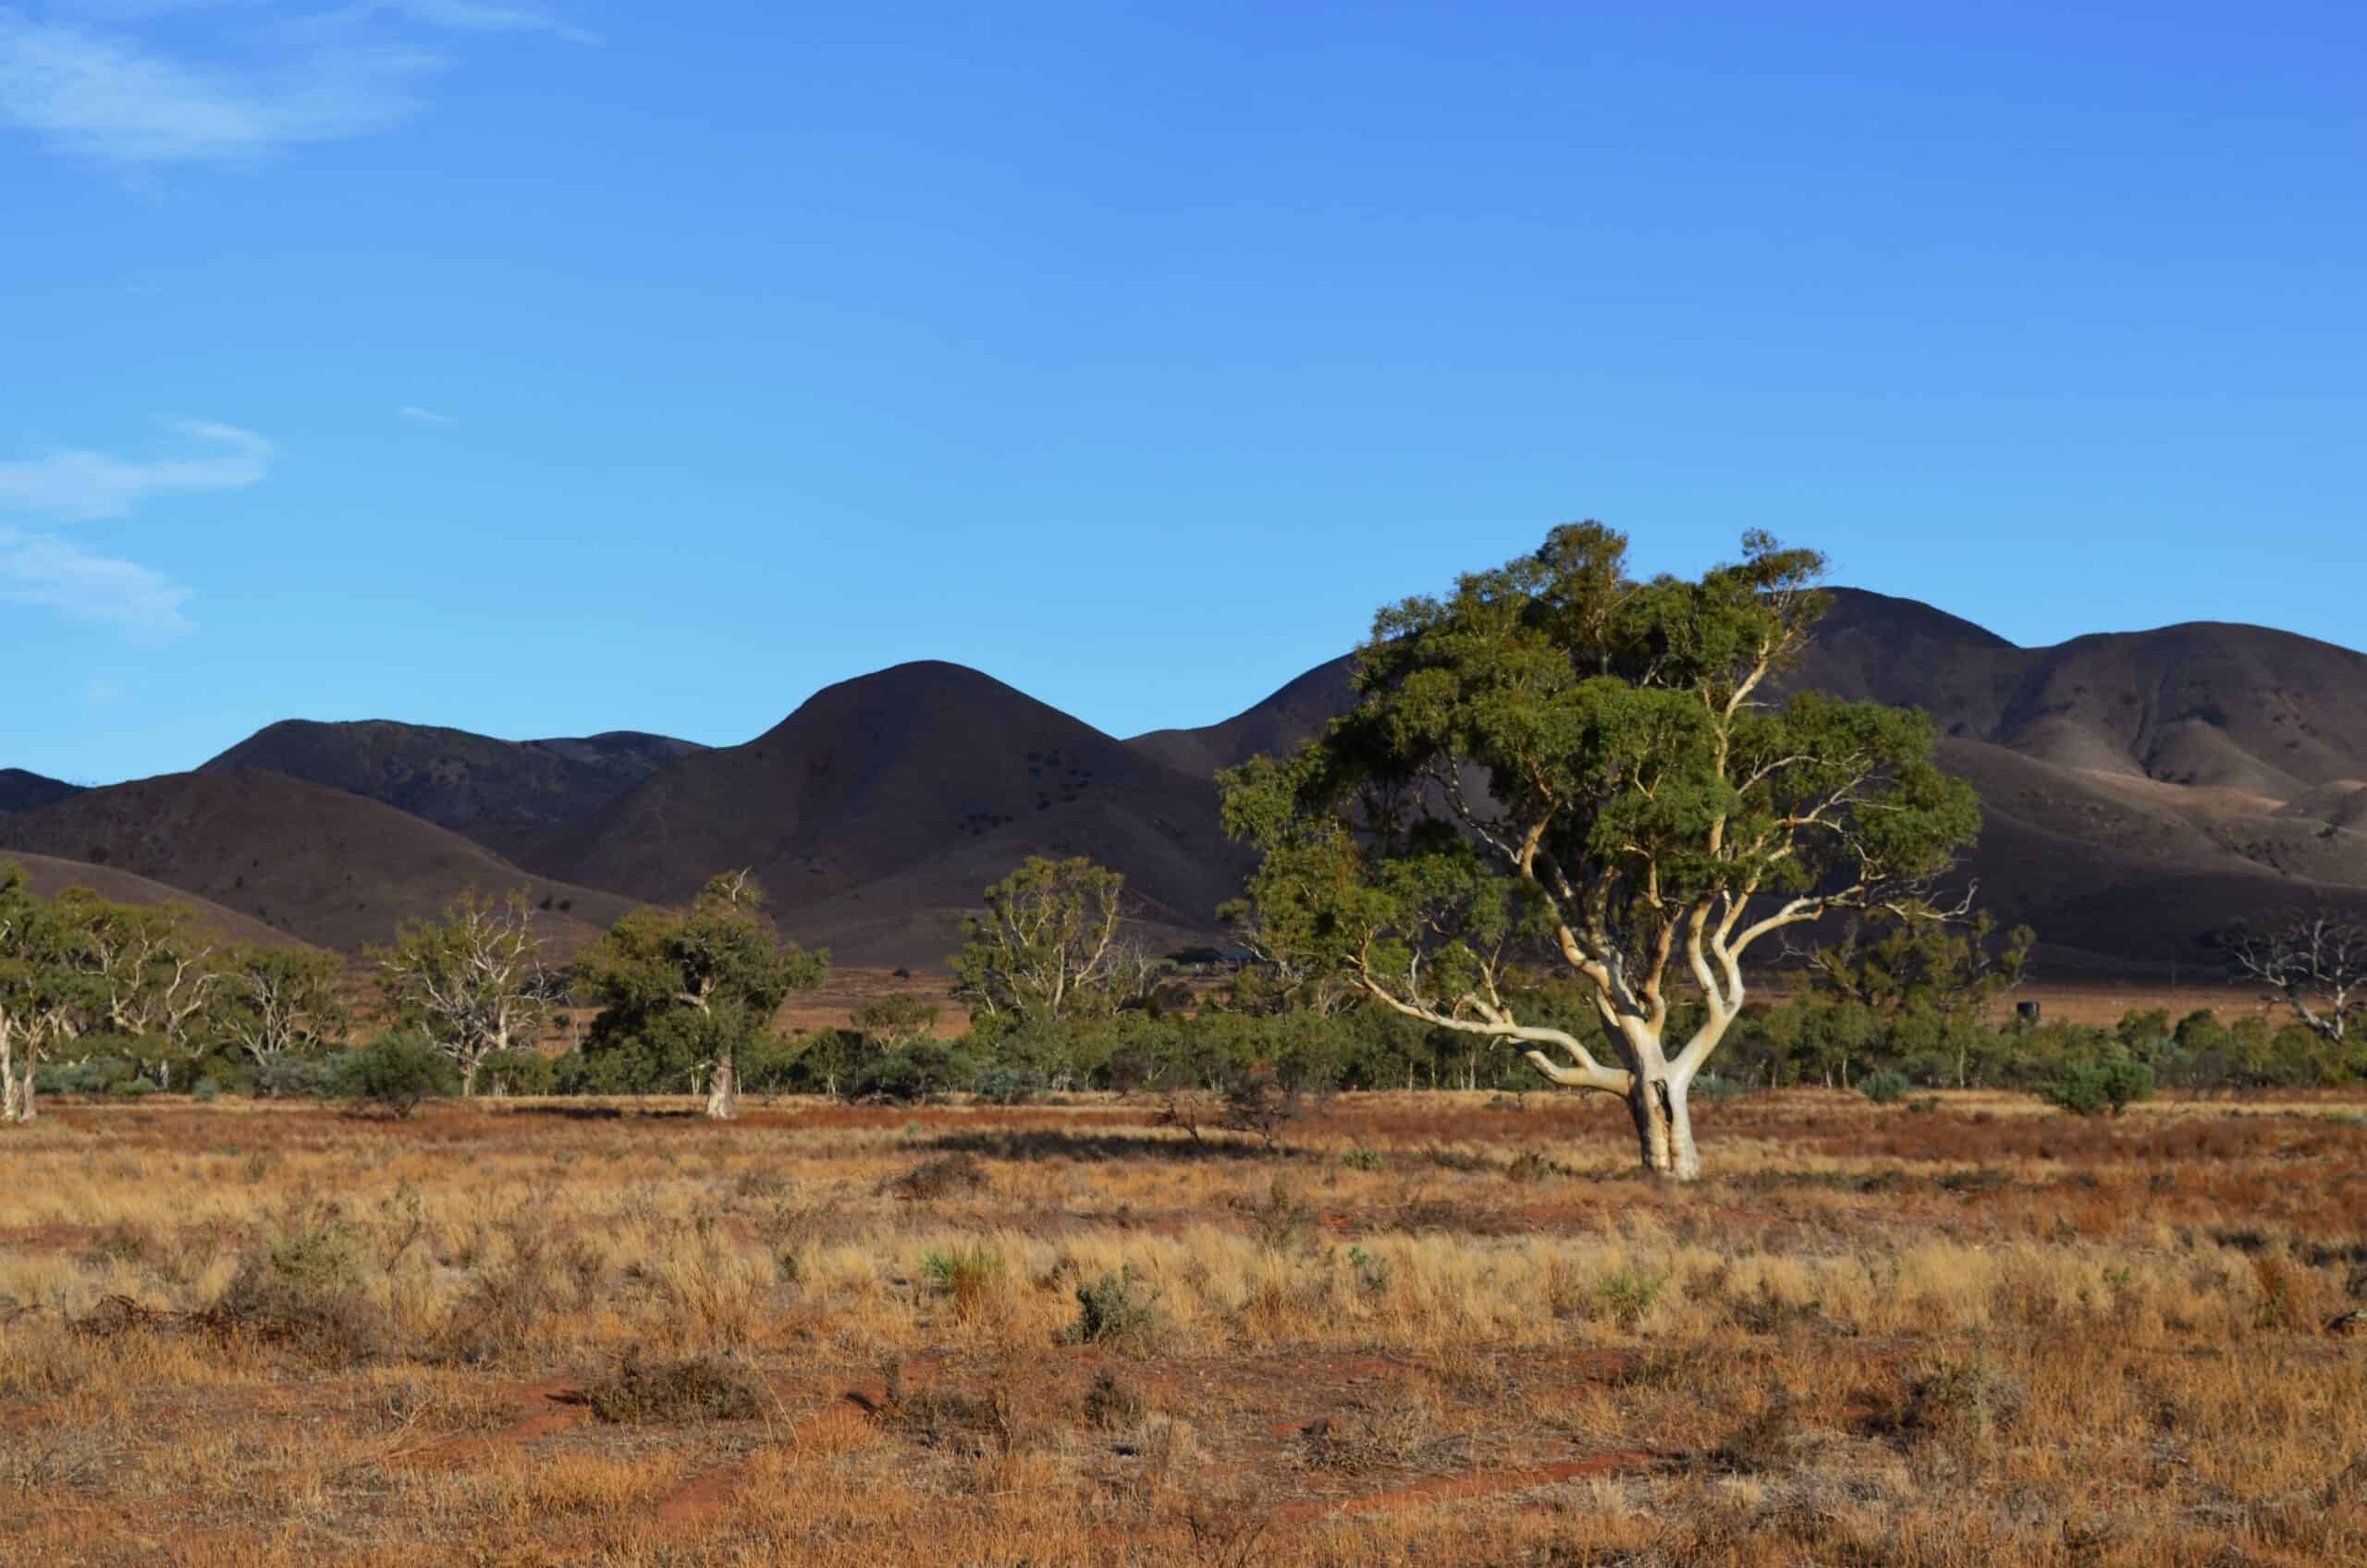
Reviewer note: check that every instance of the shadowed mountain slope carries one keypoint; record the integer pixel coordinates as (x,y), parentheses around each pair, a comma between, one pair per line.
(508,795)
(20,790)
(50,876)
(320,865)
(929,773)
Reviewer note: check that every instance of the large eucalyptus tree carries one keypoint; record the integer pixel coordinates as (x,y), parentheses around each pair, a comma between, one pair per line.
(1560,763)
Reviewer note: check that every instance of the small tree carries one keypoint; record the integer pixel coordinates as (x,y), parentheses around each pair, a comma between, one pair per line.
(1558,763)
(1947,973)
(278,1001)
(891,1023)
(43,986)
(1047,946)
(474,983)
(148,977)
(705,980)
(2314,964)
(395,1074)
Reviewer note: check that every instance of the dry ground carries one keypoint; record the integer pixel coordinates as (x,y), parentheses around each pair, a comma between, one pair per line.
(1437,1330)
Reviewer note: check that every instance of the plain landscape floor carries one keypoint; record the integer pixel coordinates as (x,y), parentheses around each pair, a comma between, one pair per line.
(1431,1328)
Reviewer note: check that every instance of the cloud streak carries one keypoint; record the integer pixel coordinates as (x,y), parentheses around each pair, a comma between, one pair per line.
(77,485)
(411,413)
(58,574)
(46,569)
(345,72)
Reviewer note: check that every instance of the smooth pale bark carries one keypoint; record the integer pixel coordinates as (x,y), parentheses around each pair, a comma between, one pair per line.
(723,1091)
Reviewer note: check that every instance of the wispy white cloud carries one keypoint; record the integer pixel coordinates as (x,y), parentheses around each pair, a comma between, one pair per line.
(467,15)
(111,98)
(411,413)
(58,574)
(85,84)
(39,567)
(77,484)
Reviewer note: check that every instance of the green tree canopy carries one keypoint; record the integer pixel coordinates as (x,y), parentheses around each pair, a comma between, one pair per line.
(695,985)
(1559,761)
(1047,945)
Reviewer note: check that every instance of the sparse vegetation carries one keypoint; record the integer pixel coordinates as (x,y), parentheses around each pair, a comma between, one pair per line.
(618,1339)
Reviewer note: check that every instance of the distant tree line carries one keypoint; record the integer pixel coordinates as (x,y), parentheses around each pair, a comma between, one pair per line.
(1564,833)
(102,998)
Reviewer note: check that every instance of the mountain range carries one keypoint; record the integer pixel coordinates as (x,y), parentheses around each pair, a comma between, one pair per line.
(2141,790)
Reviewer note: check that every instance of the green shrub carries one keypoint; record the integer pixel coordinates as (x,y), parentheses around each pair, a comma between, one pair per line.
(1629,1296)
(206,1092)
(517,1073)
(293,1077)
(1113,1307)
(394,1074)
(2093,1088)
(1363,1159)
(1008,1084)
(1885,1087)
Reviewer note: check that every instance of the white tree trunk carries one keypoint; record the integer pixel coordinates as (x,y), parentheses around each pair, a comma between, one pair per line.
(1664,1128)
(723,1091)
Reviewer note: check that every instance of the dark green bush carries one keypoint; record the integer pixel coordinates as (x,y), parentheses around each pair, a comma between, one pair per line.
(1885,1087)
(395,1074)
(1115,1307)
(2093,1088)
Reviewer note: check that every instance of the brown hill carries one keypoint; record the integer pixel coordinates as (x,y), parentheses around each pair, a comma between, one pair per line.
(20,790)
(2142,788)
(508,795)
(50,877)
(318,864)
(907,792)
(1280,723)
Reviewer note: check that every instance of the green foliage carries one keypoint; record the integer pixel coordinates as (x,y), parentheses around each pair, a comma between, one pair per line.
(395,1072)
(1630,1294)
(1885,1087)
(473,982)
(1046,948)
(517,1072)
(894,1021)
(682,994)
(2094,1087)
(1647,812)
(1113,1307)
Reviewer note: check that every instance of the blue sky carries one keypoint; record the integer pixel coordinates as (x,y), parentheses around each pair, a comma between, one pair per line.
(542,371)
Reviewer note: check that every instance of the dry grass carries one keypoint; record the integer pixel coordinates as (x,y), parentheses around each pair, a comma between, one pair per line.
(1445,1330)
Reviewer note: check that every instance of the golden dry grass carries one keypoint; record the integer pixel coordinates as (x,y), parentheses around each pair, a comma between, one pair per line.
(1976,1335)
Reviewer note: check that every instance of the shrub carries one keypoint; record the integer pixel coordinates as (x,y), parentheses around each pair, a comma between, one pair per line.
(206,1092)
(1115,1307)
(1261,1105)
(938,1178)
(1629,1296)
(1885,1087)
(517,1073)
(303,1289)
(1112,1404)
(394,1074)
(2091,1088)
(966,1274)
(1363,1159)
(1009,1083)
(292,1077)
(1967,1398)
(674,1392)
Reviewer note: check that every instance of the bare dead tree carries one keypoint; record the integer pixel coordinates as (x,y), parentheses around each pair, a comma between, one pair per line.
(2314,963)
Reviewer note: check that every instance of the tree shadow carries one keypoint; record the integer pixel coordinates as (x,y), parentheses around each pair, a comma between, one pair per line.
(1045,1143)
